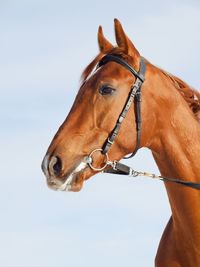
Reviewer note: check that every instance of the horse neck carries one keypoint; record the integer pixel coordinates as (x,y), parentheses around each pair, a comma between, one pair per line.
(176,152)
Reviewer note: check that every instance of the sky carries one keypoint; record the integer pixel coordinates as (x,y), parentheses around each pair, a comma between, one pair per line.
(45,45)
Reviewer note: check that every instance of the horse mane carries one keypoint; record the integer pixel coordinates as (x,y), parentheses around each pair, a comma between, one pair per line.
(190,95)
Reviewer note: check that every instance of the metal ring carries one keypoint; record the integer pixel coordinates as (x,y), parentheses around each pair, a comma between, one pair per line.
(90,160)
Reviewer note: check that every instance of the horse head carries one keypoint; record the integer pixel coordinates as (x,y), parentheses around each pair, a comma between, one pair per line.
(94,113)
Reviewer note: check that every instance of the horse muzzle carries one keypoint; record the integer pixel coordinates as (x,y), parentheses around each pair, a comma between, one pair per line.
(70,181)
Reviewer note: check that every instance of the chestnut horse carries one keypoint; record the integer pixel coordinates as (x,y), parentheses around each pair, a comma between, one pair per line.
(170,129)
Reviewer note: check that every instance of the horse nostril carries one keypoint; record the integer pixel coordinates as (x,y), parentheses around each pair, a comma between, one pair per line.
(55,165)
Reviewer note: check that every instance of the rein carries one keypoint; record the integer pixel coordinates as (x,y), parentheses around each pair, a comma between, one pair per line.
(135,94)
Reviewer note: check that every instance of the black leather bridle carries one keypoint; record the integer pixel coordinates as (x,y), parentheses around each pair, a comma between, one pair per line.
(135,93)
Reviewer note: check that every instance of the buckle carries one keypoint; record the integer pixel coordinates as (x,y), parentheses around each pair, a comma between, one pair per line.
(109,141)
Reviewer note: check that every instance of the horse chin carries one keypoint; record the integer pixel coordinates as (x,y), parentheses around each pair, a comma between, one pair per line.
(74,183)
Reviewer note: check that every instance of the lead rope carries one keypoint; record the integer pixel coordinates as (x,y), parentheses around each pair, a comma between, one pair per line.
(122,169)
(119,168)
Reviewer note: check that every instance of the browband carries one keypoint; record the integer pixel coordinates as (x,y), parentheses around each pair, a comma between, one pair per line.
(120,61)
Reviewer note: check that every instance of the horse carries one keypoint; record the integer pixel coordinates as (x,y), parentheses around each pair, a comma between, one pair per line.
(170,112)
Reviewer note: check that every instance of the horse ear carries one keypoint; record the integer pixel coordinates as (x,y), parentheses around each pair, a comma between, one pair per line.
(123,41)
(104,44)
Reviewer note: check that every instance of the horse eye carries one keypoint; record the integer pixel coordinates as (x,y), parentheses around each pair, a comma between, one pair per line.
(106,91)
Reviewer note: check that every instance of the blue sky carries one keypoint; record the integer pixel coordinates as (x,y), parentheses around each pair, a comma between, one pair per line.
(113,221)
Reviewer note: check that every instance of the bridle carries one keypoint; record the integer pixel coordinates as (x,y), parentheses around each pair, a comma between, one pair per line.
(135,94)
